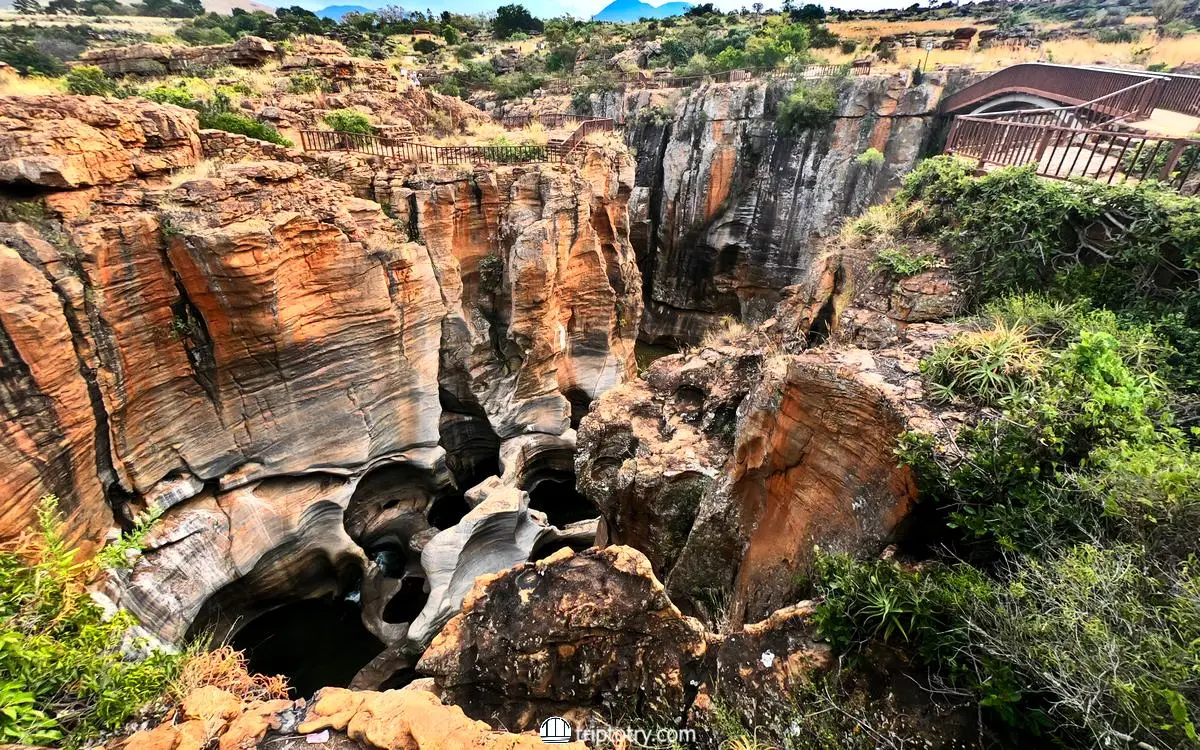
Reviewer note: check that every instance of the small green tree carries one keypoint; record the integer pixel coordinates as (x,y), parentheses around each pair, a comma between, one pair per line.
(807,107)
(27,7)
(513,18)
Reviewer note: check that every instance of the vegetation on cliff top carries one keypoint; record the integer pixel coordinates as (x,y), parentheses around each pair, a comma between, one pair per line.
(1060,585)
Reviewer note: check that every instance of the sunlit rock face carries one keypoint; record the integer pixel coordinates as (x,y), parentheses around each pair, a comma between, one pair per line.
(725,208)
(307,384)
(729,466)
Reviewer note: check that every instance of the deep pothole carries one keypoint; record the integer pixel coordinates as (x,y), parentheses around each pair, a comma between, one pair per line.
(314,643)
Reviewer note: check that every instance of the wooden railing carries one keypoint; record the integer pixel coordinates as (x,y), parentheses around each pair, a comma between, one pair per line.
(1112,94)
(1061,152)
(375,145)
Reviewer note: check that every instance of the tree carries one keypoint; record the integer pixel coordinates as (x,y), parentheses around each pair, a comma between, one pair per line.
(63,7)
(810,13)
(1166,11)
(27,7)
(513,18)
(758,8)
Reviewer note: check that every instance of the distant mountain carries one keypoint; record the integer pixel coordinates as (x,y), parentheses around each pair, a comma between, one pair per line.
(225,6)
(337,11)
(631,10)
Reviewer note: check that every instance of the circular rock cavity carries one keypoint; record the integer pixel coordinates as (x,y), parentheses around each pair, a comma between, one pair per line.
(314,644)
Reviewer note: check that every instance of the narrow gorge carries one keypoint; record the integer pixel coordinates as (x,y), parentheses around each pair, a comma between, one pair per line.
(348,387)
(455,448)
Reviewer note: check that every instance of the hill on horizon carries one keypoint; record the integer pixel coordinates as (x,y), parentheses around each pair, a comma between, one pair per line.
(337,11)
(631,10)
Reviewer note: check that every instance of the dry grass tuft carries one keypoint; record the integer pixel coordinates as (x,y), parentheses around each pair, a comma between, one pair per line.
(877,222)
(225,668)
(730,332)
(201,170)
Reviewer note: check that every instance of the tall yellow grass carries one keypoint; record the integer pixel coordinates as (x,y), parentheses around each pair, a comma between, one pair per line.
(12,84)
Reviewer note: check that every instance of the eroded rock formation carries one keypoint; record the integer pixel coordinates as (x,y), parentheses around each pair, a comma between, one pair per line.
(282,366)
(728,466)
(587,630)
(726,208)
(162,59)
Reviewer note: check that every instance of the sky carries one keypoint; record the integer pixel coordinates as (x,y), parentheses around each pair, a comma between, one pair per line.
(551,8)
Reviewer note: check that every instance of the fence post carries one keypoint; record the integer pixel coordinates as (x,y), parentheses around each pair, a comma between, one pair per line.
(1164,174)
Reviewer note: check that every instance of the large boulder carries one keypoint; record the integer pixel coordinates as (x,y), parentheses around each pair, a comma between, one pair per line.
(728,467)
(85,141)
(593,630)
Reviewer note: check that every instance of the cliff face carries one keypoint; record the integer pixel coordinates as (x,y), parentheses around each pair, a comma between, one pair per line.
(726,208)
(282,365)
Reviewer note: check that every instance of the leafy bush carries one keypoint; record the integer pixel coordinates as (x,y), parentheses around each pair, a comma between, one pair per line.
(89,80)
(199,37)
(871,158)
(349,121)
(426,46)
(65,678)
(517,85)
(808,106)
(28,59)
(232,122)
(1130,248)
(122,553)
(307,83)
(899,261)
(178,96)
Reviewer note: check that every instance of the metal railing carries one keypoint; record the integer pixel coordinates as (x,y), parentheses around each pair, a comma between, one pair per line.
(1181,94)
(1062,152)
(1113,94)
(551,120)
(407,150)
(1106,110)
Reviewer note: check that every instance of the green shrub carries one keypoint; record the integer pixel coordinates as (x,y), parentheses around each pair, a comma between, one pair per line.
(349,121)
(1130,248)
(232,122)
(426,46)
(63,676)
(871,158)
(307,83)
(199,37)
(29,60)
(808,106)
(89,80)
(517,85)
(123,553)
(899,261)
(172,95)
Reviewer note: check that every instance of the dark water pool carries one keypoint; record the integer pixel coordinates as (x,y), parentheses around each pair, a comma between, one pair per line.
(314,643)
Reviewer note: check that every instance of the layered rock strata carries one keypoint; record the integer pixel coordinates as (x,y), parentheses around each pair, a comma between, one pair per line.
(164,59)
(727,467)
(283,367)
(726,207)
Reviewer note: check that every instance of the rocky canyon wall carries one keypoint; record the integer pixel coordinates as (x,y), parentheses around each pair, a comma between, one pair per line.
(727,210)
(284,367)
